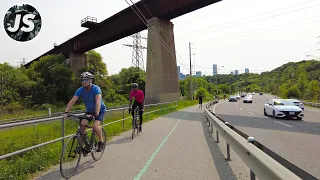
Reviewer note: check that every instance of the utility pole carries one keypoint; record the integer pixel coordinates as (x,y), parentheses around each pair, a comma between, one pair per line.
(137,58)
(191,91)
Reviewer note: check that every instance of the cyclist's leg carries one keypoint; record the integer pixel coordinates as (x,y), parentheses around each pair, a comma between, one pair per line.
(140,110)
(84,122)
(134,105)
(97,129)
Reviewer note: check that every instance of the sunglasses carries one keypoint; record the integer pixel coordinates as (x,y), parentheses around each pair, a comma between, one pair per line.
(84,80)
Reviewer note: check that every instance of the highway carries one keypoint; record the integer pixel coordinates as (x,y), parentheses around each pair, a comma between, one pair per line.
(175,146)
(298,141)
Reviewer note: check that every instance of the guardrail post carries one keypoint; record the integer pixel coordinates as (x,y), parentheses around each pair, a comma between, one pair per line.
(62,131)
(217,136)
(252,175)
(228,147)
(123,118)
(49,109)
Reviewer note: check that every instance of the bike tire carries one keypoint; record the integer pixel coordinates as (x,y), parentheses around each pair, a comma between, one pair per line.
(74,140)
(95,154)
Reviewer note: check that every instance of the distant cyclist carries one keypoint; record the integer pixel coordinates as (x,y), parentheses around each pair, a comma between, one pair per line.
(138,96)
(200,100)
(92,97)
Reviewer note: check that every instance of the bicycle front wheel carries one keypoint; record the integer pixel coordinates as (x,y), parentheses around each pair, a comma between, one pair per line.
(94,144)
(70,157)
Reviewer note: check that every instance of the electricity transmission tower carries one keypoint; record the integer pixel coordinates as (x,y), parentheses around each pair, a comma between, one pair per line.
(137,57)
(24,61)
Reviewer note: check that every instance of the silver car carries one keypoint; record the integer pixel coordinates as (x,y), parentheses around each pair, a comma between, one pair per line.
(278,108)
(297,103)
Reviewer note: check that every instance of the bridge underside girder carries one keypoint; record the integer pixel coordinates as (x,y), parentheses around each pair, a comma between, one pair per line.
(126,23)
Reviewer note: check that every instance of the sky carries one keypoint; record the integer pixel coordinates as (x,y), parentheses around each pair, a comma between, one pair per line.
(257,34)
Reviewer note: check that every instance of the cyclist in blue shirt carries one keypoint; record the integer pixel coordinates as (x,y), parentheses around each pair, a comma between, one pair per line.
(92,97)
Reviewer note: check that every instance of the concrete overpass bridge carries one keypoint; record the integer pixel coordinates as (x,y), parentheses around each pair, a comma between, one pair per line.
(161,78)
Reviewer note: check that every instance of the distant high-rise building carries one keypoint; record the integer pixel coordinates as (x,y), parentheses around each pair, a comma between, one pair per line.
(182,76)
(246,70)
(178,68)
(231,72)
(215,71)
(198,73)
(236,72)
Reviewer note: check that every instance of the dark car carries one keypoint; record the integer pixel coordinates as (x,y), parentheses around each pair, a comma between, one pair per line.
(260,93)
(233,98)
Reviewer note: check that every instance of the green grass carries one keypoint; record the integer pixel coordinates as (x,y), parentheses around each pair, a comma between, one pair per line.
(26,165)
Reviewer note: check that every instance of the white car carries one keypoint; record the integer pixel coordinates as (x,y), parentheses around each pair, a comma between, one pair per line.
(278,108)
(254,93)
(238,96)
(247,99)
(297,103)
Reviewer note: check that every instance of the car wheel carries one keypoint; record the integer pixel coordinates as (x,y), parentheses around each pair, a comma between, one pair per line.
(264,112)
(274,115)
(299,118)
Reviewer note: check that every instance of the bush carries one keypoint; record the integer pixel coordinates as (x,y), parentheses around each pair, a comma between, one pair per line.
(293,92)
(14,106)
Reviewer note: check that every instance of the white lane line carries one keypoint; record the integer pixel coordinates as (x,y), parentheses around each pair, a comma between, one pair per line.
(251,113)
(282,123)
(214,108)
(240,108)
(237,105)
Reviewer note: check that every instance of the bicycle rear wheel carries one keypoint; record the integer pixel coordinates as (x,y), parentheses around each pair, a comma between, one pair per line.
(94,144)
(70,157)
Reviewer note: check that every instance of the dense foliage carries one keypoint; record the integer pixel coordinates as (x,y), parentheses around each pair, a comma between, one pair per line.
(292,80)
(50,82)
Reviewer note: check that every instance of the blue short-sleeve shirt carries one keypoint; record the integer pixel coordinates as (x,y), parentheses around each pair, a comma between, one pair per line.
(89,99)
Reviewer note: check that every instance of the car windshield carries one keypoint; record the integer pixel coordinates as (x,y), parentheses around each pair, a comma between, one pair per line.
(283,103)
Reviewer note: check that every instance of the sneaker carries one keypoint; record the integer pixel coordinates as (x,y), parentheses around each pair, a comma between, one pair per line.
(100,146)
(140,128)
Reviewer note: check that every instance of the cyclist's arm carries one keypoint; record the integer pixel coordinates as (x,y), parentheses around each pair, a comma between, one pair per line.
(142,100)
(130,99)
(98,96)
(98,103)
(71,103)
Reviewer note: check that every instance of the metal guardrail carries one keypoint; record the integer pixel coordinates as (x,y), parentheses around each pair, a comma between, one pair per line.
(31,118)
(260,164)
(317,105)
(63,125)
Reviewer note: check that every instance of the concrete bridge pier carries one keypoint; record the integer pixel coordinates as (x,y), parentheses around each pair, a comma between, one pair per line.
(77,61)
(161,76)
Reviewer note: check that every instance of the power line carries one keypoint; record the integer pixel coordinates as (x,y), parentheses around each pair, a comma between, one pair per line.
(184,63)
(261,19)
(250,34)
(154,32)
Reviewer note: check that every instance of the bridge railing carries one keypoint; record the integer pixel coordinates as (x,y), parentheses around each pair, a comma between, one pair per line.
(259,162)
(149,109)
(89,18)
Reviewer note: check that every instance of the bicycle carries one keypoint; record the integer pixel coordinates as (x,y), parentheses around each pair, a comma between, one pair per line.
(82,146)
(135,125)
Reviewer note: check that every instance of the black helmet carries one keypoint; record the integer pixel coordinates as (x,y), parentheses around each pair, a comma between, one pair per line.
(134,85)
(86,75)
